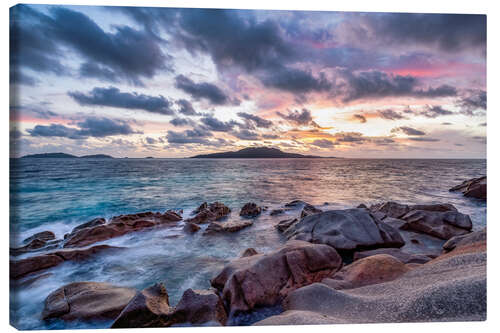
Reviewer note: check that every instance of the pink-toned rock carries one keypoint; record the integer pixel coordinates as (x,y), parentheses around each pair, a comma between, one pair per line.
(87,301)
(119,226)
(264,279)
(231,226)
(249,252)
(23,267)
(370,270)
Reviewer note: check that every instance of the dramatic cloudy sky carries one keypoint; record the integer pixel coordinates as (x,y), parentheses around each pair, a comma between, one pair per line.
(176,82)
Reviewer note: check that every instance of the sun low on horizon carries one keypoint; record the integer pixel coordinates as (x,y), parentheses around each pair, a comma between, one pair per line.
(173,82)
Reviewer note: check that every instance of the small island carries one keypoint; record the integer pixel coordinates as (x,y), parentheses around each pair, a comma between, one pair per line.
(64,155)
(255,152)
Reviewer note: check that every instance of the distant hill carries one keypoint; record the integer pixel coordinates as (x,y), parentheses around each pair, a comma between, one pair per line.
(96,156)
(50,155)
(64,155)
(255,152)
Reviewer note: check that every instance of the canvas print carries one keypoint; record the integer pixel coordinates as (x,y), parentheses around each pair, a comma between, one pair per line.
(217,167)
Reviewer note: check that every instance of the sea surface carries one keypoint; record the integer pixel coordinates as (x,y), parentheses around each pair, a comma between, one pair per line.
(59,194)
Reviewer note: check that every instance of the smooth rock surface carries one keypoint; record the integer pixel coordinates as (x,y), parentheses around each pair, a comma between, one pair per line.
(231,226)
(264,279)
(87,301)
(366,271)
(399,254)
(345,230)
(444,225)
(451,288)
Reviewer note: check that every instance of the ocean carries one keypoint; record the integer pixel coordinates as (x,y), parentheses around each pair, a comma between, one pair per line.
(59,194)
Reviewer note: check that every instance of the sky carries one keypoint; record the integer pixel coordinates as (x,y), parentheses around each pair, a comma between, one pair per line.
(171,82)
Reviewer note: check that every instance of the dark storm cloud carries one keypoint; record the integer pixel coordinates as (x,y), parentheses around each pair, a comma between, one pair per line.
(128,53)
(407,130)
(450,33)
(31,45)
(296,81)
(186,108)
(376,84)
(472,101)
(390,115)
(351,137)
(18,77)
(90,127)
(233,39)
(323,143)
(256,120)
(204,90)
(217,125)
(360,118)
(181,122)
(302,118)
(433,111)
(113,97)
(93,70)
(244,134)
(191,136)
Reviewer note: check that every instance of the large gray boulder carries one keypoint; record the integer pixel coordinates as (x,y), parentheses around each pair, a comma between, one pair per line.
(345,230)
(465,240)
(444,225)
(87,301)
(264,279)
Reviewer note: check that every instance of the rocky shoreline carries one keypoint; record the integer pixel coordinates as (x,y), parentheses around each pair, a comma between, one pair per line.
(388,262)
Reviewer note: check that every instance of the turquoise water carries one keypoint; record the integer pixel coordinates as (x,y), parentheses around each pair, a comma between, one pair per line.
(58,194)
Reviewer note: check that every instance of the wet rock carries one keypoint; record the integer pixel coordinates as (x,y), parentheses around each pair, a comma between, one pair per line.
(285,224)
(296,204)
(309,210)
(87,301)
(402,256)
(366,271)
(209,213)
(148,308)
(460,241)
(34,246)
(345,230)
(91,223)
(200,307)
(264,279)
(250,210)
(249,252)
(444,225)
(362,206)
(275,212)
(475,188)
(231,226)
(119,226)
(20,268)
(191,228)
(200,208)
(41,236)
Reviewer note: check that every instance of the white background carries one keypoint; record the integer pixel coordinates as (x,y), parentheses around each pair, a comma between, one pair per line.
(491,8)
